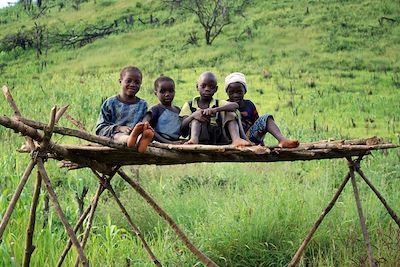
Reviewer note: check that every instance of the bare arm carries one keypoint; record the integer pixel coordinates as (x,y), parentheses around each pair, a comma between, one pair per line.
(229,106)
(197,115)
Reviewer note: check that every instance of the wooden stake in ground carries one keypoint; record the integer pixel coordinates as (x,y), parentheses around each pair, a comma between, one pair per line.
(90,219)
(361,214)
(29,248)
(299,252)
(79,223)
(381,198)
(108,186)
(16,196)
(200,255)
(60,213)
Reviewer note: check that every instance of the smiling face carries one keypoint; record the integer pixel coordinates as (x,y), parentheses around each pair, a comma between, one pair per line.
(236,92)
(165,91)
(130,84)
(207,85)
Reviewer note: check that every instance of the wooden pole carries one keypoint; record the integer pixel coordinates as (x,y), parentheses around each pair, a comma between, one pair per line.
(61,112)
(79,223)
(360,214)
(135,229)
(16,196)
(17,113)
(200,255)
(381,198)
(60,213)
(93,207)
(299,252)
(94,201)
(29,248)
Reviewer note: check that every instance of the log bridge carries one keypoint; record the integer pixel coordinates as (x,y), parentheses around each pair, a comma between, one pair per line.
(106,157)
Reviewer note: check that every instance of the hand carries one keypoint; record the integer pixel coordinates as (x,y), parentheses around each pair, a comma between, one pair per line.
(198,115)
(208,112)
(124,129)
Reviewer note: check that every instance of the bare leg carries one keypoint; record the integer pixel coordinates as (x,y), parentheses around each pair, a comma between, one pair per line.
(273,129)
(233,129)
(195,128)
(121,137)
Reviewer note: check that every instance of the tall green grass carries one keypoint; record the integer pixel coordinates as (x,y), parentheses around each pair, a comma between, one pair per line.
(334,73)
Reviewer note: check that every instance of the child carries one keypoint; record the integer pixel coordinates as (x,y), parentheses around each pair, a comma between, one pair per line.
(255,127)
(204,116)
(164,117)
(120,113)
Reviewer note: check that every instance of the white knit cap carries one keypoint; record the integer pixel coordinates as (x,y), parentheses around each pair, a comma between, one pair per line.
(235,77)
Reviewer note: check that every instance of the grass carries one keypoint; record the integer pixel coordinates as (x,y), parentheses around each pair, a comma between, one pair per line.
(333,74)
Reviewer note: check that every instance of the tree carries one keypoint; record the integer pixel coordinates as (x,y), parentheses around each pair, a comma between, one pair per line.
(213,15)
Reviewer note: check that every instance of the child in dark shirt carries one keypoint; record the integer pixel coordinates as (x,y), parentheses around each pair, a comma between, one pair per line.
(164,117)
(121,115)
(206,118)
(254,127)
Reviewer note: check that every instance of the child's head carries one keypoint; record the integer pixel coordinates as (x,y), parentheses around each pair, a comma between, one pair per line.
(235,86)
(164,89)
(130,79)
(207,85)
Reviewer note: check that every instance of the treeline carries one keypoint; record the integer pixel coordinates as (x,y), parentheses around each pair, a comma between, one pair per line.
(39,36)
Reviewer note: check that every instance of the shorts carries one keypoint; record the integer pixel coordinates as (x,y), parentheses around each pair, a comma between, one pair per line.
(260,125)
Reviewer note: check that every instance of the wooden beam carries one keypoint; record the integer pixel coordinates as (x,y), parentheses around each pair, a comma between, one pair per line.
(29,247)
(60,213)
(299,252)
(15,197)
(182,236)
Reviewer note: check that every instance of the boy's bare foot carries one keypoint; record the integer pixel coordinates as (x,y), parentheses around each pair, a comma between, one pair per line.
(146,139)
(241,142)
(287,143)
(133,136)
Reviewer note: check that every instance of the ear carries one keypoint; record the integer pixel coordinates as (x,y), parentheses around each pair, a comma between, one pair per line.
(119,80)
(216,88)
(155,92)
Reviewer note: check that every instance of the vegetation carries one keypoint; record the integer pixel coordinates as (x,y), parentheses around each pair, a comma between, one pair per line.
(324,69)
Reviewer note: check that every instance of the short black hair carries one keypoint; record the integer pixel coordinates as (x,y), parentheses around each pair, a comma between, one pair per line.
(162,78)
(128,69)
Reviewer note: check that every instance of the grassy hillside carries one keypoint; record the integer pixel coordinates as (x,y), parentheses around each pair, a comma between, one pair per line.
(324,69)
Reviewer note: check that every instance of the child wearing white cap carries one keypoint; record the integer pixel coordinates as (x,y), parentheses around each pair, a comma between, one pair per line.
(209,121)
(254,126)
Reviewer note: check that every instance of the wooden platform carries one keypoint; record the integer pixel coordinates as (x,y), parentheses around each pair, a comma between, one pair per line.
(166,154)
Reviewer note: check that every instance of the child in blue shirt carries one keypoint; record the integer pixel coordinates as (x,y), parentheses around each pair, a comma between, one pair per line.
(121,115)
(254,127)
(164,117)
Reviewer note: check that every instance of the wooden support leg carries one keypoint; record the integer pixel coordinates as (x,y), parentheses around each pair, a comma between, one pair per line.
(29,248)
(16,196)
(381,198)
(79,223)
(299,252)
(60,213)
(108,186)
(361,215)
(90,219)
(200,255)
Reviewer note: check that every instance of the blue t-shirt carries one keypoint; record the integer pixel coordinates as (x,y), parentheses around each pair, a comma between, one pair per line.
(166,122)
(116,113)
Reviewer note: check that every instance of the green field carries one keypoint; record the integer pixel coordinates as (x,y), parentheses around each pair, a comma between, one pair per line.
(333,72)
